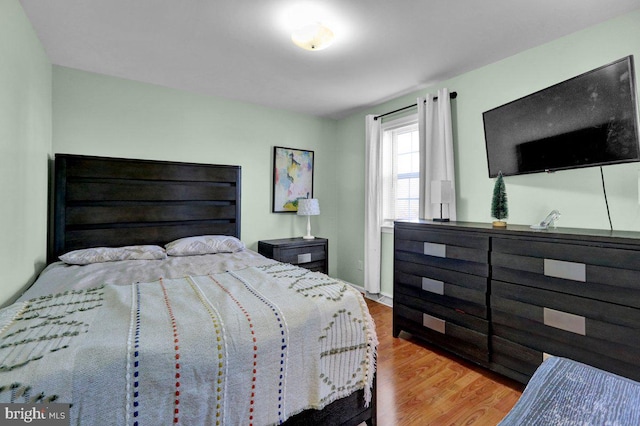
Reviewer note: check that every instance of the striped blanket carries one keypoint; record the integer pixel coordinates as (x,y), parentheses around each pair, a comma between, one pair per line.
(252,347)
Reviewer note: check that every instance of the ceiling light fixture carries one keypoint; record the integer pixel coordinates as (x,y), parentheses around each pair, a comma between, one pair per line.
(313,36)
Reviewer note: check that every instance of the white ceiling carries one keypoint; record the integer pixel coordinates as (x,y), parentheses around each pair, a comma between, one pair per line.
(241,49)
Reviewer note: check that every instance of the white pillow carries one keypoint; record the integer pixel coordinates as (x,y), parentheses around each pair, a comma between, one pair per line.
(112,254)
(204,244)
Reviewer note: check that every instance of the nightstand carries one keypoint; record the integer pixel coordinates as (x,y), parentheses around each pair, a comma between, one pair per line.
(309,254)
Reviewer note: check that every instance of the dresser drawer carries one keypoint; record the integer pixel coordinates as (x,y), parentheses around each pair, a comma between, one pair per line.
(468,254)
(467,267)
(472,282)
(540,325)
(516,357)
(614,285)
(463,306)
(444,245)
(445,313)
(600,272)
(605,255)
(445,238)
(523,349)
(594,311)
(459,291)
(461,340)
(443,251)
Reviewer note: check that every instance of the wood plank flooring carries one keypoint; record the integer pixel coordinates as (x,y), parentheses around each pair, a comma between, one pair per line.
(421,385)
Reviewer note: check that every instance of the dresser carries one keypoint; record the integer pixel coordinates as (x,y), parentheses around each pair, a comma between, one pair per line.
(311,254)
(507,298)
(440,288)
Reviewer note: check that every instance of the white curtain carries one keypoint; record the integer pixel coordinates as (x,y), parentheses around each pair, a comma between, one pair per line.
(436,152)
(373,204)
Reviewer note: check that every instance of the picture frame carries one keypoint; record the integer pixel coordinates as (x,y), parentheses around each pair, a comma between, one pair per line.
(292,178)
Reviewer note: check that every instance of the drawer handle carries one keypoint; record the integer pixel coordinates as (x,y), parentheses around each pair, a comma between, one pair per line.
(435,324)
(567,270)
(565,321)
(304,258)
(433,286)
(433,249)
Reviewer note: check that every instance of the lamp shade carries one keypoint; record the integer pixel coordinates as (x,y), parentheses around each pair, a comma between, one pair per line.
(308,207)
(441,191)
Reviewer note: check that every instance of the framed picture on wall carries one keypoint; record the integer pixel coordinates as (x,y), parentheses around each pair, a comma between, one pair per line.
(292,178)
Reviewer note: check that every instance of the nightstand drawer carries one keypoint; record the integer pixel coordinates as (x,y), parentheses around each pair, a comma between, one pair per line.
(310,254)
(303,254)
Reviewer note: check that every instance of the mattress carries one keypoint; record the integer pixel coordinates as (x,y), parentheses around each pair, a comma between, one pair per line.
(213,339)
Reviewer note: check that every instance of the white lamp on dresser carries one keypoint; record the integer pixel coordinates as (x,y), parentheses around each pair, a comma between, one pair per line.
(441,193)
(308,207)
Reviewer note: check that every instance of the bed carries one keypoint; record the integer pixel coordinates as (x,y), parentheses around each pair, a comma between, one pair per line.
(159,314)
(567,392)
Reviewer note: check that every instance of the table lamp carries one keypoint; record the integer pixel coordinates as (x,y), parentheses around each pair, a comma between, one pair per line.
(308,207)
(441,191)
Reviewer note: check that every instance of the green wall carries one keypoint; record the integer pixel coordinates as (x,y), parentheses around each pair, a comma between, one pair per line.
(25,145)
(576,193)
(99,115)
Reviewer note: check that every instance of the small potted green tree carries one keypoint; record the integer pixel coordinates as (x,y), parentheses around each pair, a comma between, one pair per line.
(499,208)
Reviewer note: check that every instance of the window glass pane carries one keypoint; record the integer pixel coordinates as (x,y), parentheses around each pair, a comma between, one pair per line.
(404,141)
(401,196)
(413,209)
(405,163)
(402,188)
(414,188)
(402,209)
(415,162)
(415,142)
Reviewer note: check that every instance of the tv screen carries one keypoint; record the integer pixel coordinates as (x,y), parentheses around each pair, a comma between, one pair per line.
(588,120)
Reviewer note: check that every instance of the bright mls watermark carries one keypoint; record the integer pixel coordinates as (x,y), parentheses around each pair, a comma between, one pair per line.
(34,414)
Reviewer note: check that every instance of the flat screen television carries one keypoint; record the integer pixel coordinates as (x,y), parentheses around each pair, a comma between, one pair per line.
(588,120)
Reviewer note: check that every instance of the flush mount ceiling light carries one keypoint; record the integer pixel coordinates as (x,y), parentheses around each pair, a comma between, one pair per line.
(312,36)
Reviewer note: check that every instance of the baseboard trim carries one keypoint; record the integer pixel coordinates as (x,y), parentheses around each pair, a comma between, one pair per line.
(384,298)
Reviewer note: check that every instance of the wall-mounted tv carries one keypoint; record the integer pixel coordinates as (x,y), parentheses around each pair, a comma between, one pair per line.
(588,120)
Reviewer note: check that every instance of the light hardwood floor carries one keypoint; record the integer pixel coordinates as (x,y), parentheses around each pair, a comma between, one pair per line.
(421,385)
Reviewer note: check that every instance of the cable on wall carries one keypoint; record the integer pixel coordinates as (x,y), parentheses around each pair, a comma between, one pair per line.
(604,190)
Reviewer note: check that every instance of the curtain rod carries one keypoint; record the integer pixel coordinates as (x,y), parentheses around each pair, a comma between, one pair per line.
(452,95)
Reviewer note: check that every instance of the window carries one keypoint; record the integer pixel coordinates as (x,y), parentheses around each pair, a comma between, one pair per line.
(400,170)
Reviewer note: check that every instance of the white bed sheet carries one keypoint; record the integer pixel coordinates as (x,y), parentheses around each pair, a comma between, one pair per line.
(59,277)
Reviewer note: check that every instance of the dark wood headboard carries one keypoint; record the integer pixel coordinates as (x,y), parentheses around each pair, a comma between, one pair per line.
(110,202)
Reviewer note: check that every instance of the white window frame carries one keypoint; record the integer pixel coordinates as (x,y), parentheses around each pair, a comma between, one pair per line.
(389,178)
